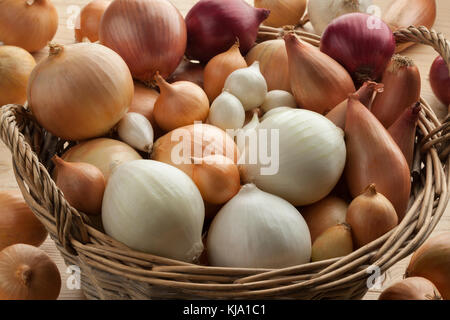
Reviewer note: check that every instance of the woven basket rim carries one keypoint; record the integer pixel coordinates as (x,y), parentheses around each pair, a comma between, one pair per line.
(82,244)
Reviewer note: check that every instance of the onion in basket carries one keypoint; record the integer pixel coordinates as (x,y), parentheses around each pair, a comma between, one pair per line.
(440,80)
(153,207)
(90,101)
(256,229)
(414,288)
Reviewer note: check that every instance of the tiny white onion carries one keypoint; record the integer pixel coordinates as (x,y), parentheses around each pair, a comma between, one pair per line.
(248,85)
(256,229)
(135,130)
(227,112)
(156,208)
(311,156)
(278,98)
(241,139)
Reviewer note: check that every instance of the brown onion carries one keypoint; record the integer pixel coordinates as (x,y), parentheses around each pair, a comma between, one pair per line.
(18,224)
(149,35)
(402,85)
(82,183)
(88,22)
(414,288)
(273,62)
(29,24)
(28,273)
(334,242)
(374,157)
(318,82)
(199,140)
(432,261)
(90,101)
(188,71)
(16,65)
(179,104)
(370,215)
(144,102)
(440,80)
(282,12)
(103,153)
(324,214)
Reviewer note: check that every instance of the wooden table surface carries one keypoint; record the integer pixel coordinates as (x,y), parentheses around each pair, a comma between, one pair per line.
(422,55)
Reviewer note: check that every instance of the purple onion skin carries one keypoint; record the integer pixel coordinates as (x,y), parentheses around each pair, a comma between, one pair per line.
(440,80)
(214,25)
(363,44)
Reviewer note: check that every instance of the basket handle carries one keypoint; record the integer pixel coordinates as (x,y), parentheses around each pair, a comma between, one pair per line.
(69,222)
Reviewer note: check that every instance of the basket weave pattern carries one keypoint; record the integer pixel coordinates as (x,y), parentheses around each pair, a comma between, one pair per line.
(110,270)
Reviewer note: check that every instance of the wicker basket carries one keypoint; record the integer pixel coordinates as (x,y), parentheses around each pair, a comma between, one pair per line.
(110,270)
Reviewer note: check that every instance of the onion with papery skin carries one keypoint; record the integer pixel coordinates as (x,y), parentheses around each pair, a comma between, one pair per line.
(278,98)
(334,242)
(248,85)
(405,13)
(199,140)
(135,130)
(219,68)
(432,261)
(28,273)
(374,157)
(179,104)
(155,208)
(324,214)
(16,65)
(82,183)
(363,50)
(217,178)
(87,104)
(403,131)
(322,12)
(370,215)
(338,114)
(214,25)
(282,12)
(273,62)
(144,102)
(318,82)
(18,224)
(105,154)
(188,71)
(227,112)
(29,24)
(256,229)
(402,86)
(149,35)
(88,21)
(440,80)
(307,156)
(414,288)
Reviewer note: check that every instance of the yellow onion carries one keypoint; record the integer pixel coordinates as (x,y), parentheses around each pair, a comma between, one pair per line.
(29,24)
(144,102)
(318,82)
(273,62)
(414,288)
(432,261)
(179,104)
(103,153)
(219,68)
(282,12)
(82,183)
(16,65)
(334,242)
(90,101)
(199,140)
(18,224)
(88,22)
(370,215)
(28,273)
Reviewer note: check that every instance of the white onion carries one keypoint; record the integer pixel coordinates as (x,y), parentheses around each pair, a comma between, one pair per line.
(278,98)
(136,130)
(227,112)
(153,207)
(248,85)
(256,229)
(311,153)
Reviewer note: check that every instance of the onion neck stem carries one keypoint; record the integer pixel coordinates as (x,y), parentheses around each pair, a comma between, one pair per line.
(55,49)
(371,190)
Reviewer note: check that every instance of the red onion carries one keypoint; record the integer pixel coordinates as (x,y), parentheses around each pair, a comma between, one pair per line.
(214,25)
(150,35)
(363,44)
(440,80)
